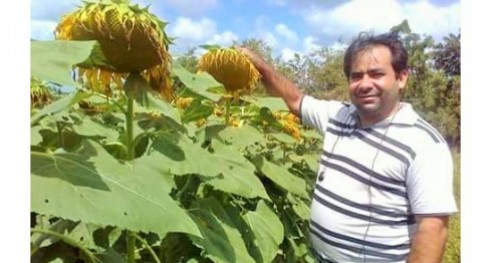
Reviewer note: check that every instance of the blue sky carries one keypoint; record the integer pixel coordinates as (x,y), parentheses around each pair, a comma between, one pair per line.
(288,26)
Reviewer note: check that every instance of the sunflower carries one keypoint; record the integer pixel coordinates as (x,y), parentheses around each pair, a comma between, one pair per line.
(40,93)
(130,40)
(231,68)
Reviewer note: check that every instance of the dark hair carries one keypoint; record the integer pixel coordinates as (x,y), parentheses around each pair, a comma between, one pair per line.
(366,41)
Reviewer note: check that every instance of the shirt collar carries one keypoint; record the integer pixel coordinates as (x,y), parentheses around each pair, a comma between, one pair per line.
(405,115)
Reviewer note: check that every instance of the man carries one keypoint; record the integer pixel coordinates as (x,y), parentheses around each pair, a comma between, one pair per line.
(384,187)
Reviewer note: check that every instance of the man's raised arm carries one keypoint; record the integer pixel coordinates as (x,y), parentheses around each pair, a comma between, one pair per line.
(275,83)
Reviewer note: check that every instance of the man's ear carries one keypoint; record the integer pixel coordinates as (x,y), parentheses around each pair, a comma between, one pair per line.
(402,78)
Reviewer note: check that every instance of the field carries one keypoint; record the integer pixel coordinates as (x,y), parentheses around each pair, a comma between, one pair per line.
(452,253)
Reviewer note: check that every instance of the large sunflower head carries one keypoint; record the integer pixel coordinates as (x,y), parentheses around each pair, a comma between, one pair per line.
(130,40)
(231,68)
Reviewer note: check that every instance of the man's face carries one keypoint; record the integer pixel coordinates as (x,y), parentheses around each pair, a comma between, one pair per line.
(373,85)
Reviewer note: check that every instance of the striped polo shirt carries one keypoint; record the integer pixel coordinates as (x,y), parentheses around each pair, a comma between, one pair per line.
(372,181)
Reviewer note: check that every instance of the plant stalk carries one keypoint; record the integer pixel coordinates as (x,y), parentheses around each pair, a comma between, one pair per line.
(130,129)
(228,106)
(89,257)
(130,237)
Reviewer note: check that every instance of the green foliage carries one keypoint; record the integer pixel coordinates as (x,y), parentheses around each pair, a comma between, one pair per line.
(161,183)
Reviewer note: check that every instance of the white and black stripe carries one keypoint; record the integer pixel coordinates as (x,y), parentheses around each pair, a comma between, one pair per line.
(387,257)
(436,136)
(363,179)
(364,207)
(360,216)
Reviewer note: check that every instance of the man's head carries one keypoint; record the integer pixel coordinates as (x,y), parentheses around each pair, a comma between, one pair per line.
(377,69)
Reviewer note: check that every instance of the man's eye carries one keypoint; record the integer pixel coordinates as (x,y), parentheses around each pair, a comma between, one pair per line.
(355,76)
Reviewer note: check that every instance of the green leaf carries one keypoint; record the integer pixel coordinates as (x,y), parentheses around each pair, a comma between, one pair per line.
(299,206)
(273,103)
(176,154)
(312,134)
(221,240)
(95,188)
(36,137)
(159,104)
(237,136)
(283,178)
(111,255)
(284,138)
(312,161)
(53,60)
(92,128)
(268,230)
(238,174)
(60,105)
(198,83)
(197,110)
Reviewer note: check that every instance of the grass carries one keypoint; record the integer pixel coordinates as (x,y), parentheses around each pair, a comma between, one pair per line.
(452,252)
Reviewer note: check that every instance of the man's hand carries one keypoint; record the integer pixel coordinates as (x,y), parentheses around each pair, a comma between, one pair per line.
(429,240)
(275,83)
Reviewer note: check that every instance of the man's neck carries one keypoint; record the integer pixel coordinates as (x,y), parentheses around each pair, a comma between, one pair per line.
(369,120)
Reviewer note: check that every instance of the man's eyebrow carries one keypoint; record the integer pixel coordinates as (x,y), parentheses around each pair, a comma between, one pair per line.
(373,70)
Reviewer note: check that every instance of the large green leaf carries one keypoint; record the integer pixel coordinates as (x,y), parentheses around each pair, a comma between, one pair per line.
(230,171)
(221,240)
(176,154)
(268,230)
(152,101)
(91,127)
(53,60)
(93,187)
(238,175)
(283,178)
(198,83)
(238,136)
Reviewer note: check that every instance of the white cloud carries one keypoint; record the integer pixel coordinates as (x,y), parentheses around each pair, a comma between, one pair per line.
(193,30)
(309,44)
(288,54)
(269,39)
(190,33)
(224,39)
(350,18)
(423,17)
(284,31)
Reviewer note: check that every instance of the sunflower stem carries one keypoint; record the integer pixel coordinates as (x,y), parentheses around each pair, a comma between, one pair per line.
(130,247)
(130,129)
(131,239)
(228,106)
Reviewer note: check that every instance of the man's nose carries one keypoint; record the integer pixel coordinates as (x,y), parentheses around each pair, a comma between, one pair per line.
(365,82)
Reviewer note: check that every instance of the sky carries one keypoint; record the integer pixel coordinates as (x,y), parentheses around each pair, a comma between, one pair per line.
(287,26)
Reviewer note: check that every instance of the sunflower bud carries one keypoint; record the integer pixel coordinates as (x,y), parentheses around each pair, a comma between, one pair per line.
(130,40)
(231,68)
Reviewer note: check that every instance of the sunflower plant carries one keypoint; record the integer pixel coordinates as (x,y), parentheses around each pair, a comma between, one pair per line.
(205,172)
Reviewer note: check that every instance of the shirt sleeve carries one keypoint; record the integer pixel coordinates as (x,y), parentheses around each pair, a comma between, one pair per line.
(430,181)
(315,113)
